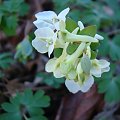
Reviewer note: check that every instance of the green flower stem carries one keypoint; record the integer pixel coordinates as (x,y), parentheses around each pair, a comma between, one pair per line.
(77,53)
(63,56)
(79,38)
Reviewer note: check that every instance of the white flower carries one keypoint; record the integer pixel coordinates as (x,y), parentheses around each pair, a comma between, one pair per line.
(50,19)
(81,26)
(99,67)
(53,65)
(78,80)
(45,40)
(74,87)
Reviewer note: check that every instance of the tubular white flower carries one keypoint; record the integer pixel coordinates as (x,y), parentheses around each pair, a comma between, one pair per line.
(50,19)
(53,65)
(99,67)
(45,40)
(80,24)
(99,37)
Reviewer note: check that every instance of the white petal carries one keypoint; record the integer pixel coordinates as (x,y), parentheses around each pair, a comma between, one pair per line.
(46,15)
(99,37)
(50,49)
(41,24)
(96,71)
(39,45)
(63,14)
(104,63)
(87,84)
(75,30)
(105,69)
(44,32)
(58,73)
(72,86)
(50,65)
(79,69)
(57,26)
(80,24)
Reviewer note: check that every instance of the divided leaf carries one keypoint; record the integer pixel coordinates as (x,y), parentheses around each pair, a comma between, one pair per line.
(32,103)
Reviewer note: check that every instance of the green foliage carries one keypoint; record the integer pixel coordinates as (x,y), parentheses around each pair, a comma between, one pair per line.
(115,48)
(26,105)
(10,11)
(93,54)
(50,80)
(111,47)
(110,85)
(72,47)
(5,60)
(100,13)
(58,52)
(70,24)
(90,30)
(24,50)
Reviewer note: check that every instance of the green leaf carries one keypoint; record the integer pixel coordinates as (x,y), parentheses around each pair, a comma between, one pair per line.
(24,49)
(27,97)
(38,118)
(94,46)
(1,14)
(12,22)
(110,85)
(114,51)
(10,107)
(24,103)
(85,64)
(74,14)
(24,8)
(9,24)
(34,111)
(10,116)
(93,54)
(104,46)
(5,60)
(115,48)
(72,47)
(58,52)
(70,24)
(113,91)
(16,100)
(50,80)
(44,102)
(40,100)
(90,30)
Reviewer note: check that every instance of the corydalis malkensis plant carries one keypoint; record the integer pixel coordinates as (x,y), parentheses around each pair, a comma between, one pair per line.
(74,46)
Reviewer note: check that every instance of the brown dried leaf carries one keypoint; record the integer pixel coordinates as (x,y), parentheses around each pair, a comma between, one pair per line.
(80,106)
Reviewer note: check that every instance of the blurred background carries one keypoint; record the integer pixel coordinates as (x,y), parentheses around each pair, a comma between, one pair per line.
(27,92)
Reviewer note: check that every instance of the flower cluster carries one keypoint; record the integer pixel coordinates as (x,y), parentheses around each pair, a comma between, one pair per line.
(74,48)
